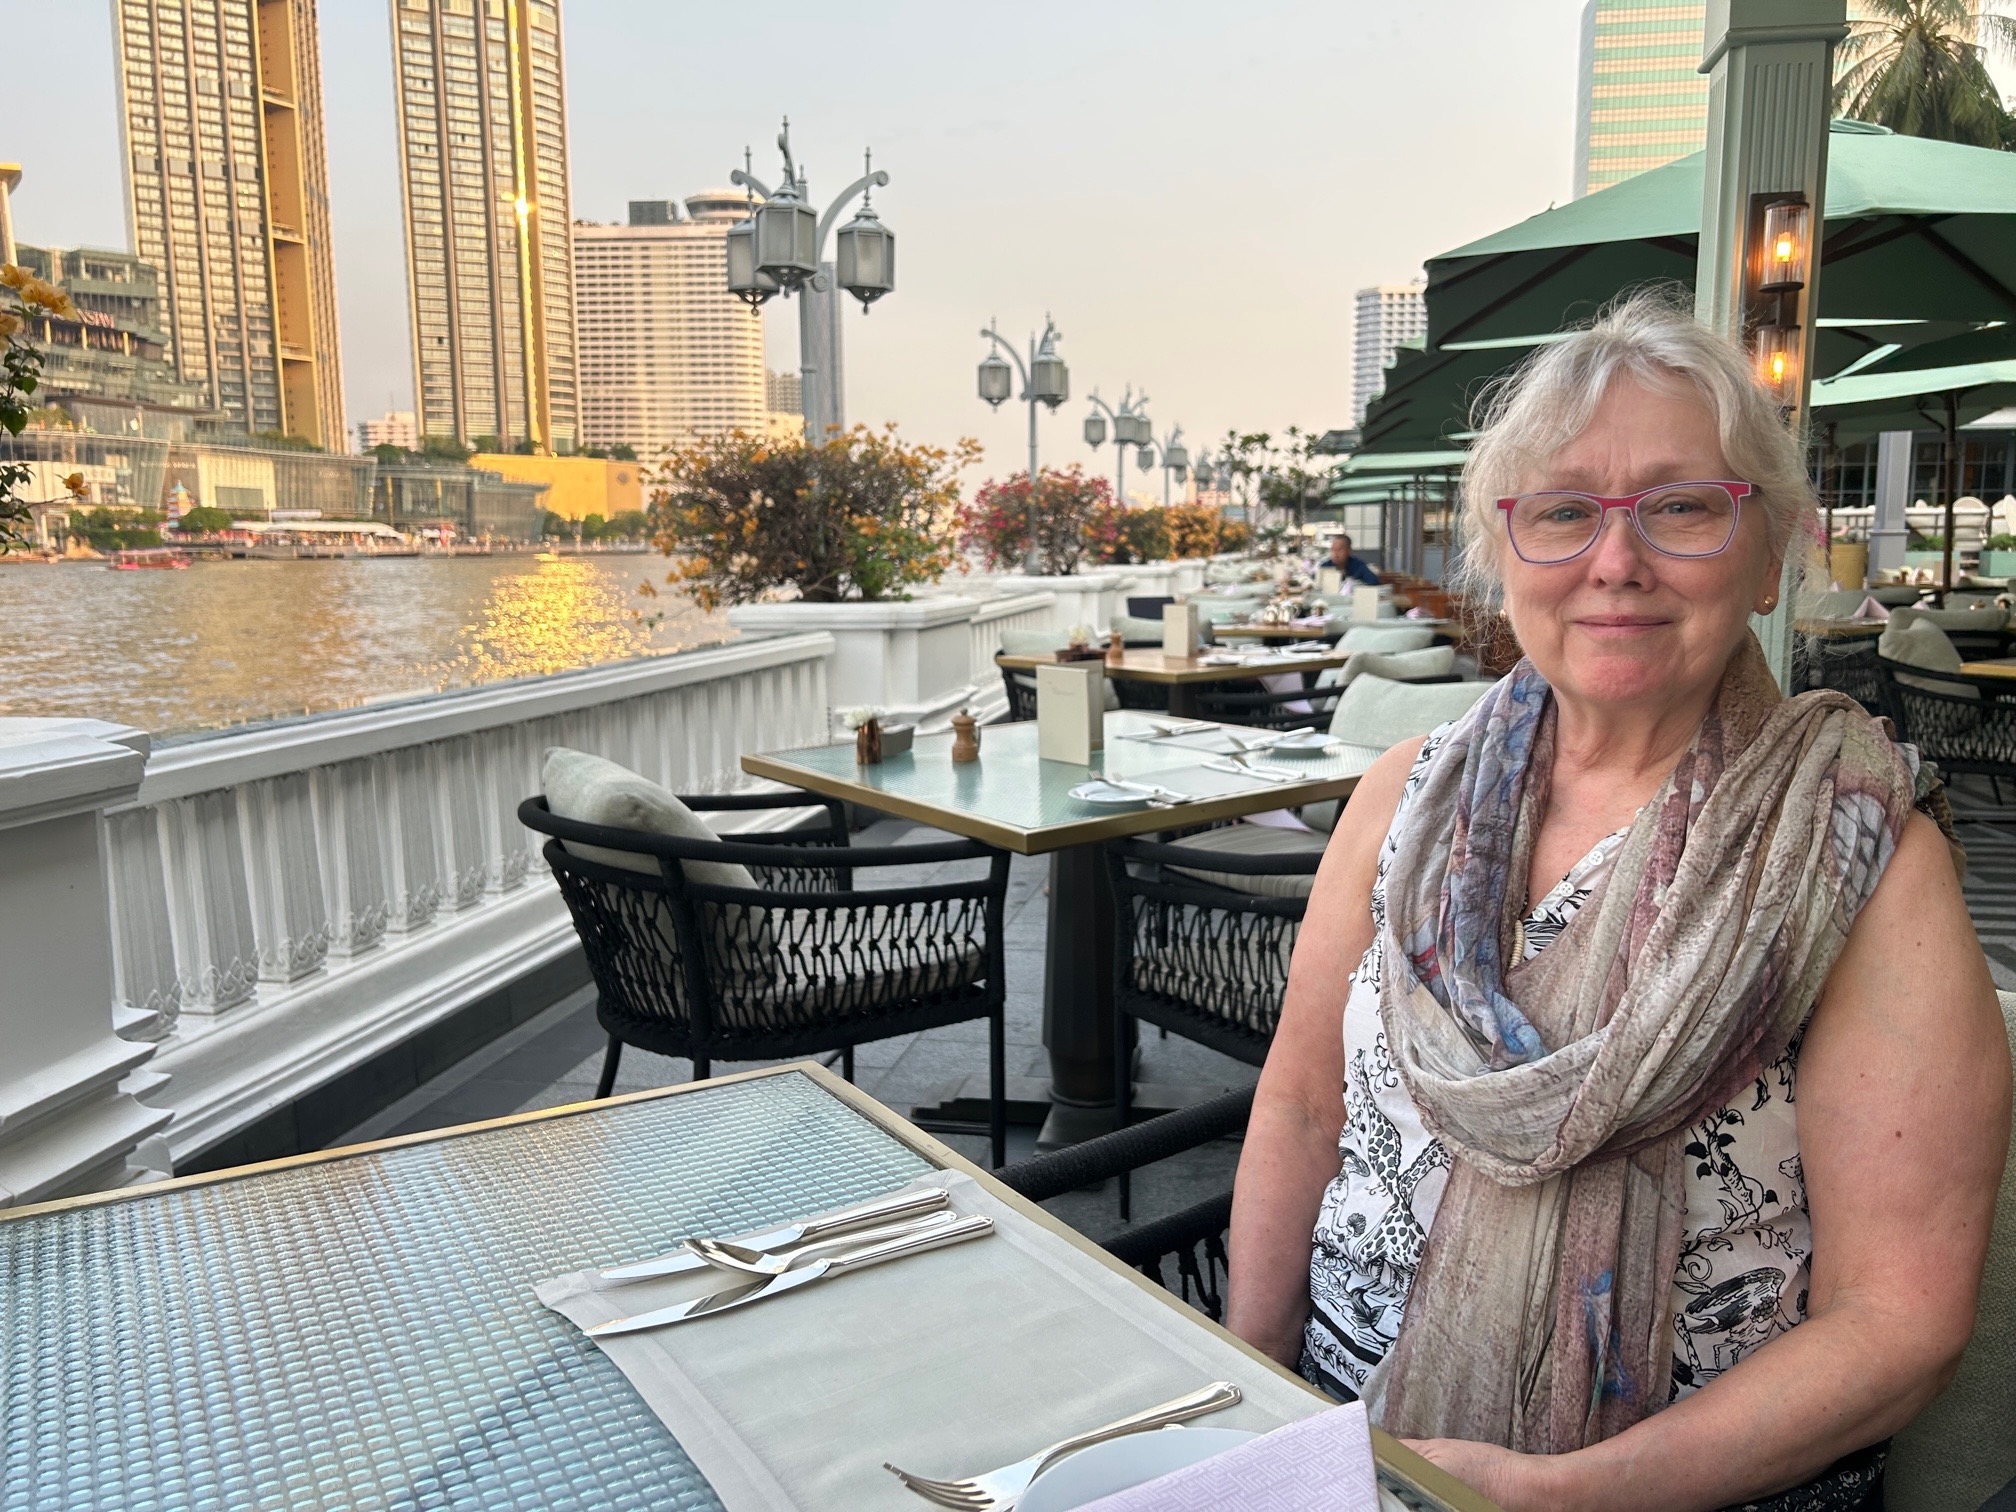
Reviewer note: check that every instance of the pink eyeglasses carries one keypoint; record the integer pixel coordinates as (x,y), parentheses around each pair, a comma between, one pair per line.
(1675,519)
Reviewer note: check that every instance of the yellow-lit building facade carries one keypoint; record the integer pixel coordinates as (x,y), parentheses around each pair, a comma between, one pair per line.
(576,487)
(227,194)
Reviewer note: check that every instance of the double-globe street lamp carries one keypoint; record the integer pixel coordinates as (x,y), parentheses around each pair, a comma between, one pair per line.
(1175,461)
(780,249)
(1131,427)
(1045,380)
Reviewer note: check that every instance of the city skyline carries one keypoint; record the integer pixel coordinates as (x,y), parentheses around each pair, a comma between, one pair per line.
(1183,169)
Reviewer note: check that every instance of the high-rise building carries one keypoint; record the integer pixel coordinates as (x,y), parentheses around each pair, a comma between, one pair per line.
(784,392)
(483,159)
(667,353)
(393,428)
(1389,316)
(1642,101)
(227,194)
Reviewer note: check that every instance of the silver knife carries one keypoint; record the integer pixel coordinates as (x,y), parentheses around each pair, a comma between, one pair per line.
(1265,774)
(862,1215)
(758,1289)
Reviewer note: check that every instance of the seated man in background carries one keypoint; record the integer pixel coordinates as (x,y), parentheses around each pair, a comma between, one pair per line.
(1353,569)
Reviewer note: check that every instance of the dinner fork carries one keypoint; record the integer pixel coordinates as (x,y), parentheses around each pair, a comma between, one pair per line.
(999,1490)
(726,1255)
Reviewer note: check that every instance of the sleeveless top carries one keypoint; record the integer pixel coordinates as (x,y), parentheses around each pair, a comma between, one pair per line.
(1742,1275)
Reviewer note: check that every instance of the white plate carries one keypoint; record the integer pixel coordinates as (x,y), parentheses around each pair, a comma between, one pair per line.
(1105,795)
(1303,743)
(1123,1463)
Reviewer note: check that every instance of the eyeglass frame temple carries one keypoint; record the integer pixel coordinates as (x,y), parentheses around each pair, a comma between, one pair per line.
(1737,490)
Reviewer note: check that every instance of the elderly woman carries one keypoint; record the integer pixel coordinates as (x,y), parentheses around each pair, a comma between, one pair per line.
(1567,965)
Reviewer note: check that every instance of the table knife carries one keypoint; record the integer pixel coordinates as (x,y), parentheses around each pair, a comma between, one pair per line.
(867,1214)
(758,1289)
(1265,774)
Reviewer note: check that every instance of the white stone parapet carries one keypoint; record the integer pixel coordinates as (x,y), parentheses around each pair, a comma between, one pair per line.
(66,1125)
(292,900)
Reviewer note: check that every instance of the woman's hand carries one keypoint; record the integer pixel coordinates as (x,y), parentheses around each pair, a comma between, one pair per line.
(1516,1482)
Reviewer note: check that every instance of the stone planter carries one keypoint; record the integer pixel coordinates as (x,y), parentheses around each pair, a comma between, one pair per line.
(1998,564)
(912,658)
(1083,598)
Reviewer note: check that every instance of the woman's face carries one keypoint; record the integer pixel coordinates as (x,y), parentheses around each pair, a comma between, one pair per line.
(1622,624)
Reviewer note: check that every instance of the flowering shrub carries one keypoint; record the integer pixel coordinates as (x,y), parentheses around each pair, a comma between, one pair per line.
(861,515)
(20,375)
(1074,518)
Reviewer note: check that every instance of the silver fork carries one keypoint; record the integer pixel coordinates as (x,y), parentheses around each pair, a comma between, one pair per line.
(999,1490)
(726,1255)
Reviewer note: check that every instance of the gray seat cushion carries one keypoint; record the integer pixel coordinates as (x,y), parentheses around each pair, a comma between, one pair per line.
(1134,629)
(1378,712)
(1398,636)
(1960,1450)
(591,790)
(1397,666)
(1979,617)
(1913,639)
(1254,840)
(1032,642)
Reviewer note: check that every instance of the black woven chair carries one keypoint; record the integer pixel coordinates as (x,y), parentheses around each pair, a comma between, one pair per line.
(1202,961)
(1847,664)
(1193,1240)
(1021,686)
(1964,724)
(803,962)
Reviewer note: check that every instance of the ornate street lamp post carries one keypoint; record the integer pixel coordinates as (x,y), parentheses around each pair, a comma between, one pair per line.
(1131,427)
(1175,461)
(1045,380)
(780,249)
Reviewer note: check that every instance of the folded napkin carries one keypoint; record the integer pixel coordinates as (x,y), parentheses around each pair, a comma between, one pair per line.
(1320,1464)
(1871,610)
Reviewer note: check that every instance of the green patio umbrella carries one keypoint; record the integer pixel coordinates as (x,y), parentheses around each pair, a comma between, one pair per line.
(1915,230)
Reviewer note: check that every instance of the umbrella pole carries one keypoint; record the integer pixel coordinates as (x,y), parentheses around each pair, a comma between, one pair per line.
(1952,487)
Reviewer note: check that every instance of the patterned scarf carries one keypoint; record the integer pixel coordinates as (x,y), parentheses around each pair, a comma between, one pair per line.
(1563,1087)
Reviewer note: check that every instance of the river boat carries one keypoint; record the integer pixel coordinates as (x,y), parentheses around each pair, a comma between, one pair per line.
(147,558)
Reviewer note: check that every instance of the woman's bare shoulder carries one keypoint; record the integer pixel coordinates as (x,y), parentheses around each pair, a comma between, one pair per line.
(1362,825)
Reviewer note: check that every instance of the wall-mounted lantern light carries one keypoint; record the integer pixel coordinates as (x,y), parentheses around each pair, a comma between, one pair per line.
(1787,245)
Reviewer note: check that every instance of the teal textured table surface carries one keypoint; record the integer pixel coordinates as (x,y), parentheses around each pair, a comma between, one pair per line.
(361,1333)
(1012,796)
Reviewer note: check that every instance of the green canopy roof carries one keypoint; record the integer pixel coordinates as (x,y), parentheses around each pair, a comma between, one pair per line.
(1916,229)
(1861,404)
(1402,462)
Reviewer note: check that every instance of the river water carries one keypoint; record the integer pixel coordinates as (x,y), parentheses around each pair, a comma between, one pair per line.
(223,643)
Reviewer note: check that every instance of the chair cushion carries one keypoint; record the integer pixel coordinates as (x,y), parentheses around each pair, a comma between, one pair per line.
(1032,642)
(1400,666)
(1254,840)
(1218,611)
(1917,642)
(1395,637)
(1980,617)
(1959,1451)
(591,790)
(1376,711)
(1132,629)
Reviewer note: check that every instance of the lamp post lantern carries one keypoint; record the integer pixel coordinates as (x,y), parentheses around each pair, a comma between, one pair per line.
(1175,461)
(780,249)
(1045,380)
(1131,427)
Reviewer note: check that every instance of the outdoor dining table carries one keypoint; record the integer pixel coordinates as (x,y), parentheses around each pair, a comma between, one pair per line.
(357,1327)
(1013,799)
(1184,675)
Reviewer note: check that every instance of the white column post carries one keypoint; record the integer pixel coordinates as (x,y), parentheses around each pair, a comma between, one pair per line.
(65,1124)
(1888,534)
(1770,67)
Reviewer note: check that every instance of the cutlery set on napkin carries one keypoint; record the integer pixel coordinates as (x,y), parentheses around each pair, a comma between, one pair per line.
(775,1261)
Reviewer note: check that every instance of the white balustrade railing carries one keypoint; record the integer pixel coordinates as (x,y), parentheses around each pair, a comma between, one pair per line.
(1018,611)
(290,900)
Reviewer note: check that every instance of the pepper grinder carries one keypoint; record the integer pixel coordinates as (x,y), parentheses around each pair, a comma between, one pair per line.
(965,737)
(1116,648)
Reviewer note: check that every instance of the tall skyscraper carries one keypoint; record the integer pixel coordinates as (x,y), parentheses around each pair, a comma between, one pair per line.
(483,159)
(1387,316)
(1642,101)
(227,194)
(667,353)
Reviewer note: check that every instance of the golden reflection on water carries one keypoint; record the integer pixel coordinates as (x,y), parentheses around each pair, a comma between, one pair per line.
(227,642)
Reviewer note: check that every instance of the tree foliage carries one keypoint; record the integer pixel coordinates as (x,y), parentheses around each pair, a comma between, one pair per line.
(1279,479)
(205,519)
(20,376)
(861,515)
(1920,68)
(1074,516)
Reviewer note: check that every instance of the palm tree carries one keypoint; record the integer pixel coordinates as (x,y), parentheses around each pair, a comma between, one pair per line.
(1918,67)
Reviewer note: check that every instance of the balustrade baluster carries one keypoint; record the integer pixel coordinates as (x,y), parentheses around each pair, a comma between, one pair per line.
(412,869)
(350,836)
(146,996)
(209,904)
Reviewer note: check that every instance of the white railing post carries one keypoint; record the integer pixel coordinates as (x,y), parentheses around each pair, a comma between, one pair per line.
(209,906)
(347,839)
(146,994)
(290,925)
(412,872)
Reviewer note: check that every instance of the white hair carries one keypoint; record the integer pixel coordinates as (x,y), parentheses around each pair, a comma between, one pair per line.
(1524,418)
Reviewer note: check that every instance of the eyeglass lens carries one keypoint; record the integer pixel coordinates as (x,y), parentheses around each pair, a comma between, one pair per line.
(1688,520)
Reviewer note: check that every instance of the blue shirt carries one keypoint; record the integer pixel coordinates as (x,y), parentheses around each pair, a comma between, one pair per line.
(1356,568)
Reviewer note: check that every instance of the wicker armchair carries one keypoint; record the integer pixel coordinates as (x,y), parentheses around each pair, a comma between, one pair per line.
(1205,961)
(804,961)
(1958,722)
(1847,664)
(1193,1241)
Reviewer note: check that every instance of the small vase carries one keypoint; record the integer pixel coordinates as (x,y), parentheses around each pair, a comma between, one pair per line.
(868,743)
(965,738)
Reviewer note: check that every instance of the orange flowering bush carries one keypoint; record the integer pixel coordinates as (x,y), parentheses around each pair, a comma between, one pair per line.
(20,376)
(863,515)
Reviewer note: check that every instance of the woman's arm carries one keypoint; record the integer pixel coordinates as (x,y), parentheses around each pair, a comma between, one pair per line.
(1291,1142)
(1903,1107)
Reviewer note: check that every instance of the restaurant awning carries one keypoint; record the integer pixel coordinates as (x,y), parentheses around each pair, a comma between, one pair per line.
(1915,230)
(1402,462)
(1865,403)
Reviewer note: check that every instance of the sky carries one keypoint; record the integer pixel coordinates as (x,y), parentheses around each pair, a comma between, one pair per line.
(1192,190)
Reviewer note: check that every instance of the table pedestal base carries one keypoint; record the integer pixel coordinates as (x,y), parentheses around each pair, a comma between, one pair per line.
(1078,980)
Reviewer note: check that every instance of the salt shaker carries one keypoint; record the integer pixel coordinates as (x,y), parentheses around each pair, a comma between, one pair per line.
(965,737)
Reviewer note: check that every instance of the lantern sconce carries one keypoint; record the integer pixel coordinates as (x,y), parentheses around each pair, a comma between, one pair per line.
(1787,245)
(1778,351)
(1781,269)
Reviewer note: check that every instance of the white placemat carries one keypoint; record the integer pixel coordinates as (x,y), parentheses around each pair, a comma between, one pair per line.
(948,1363)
